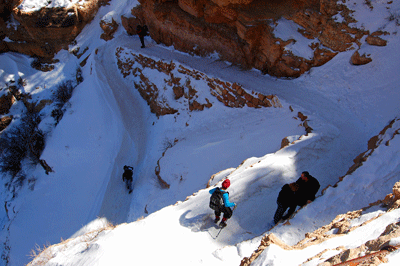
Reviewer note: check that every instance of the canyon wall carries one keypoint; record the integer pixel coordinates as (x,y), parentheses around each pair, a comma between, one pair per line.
(44,32)
(239,31)
(242,31)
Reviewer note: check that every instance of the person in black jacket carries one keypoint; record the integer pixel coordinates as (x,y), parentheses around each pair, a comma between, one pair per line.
(308,188)
(286,199)
(127,177)
(141,31)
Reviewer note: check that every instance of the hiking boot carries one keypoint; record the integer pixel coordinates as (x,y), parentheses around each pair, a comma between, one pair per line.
(222,224)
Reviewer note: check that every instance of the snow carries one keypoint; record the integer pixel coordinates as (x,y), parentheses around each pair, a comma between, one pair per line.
(84,209)
(35,5)
(288,30)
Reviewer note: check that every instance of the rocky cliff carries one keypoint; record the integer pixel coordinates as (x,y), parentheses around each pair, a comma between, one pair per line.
(242,31)
(239,31)
(44,32)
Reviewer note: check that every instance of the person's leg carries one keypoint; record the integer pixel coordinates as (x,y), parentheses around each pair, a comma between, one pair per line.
(142,41)
(129,185)
(227,214)
(290,212)
(217,216)
(279,212)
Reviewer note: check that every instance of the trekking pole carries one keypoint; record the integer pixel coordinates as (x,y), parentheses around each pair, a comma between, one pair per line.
(219,232)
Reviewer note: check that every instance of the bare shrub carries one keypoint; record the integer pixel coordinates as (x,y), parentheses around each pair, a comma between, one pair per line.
(60,98)
(25,141)
(63,92)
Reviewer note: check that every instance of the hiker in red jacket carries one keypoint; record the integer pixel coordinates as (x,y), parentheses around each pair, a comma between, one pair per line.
(141,31)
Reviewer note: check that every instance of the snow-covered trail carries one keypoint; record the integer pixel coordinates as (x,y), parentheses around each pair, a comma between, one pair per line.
(342,141)
(133,113)
(340,135)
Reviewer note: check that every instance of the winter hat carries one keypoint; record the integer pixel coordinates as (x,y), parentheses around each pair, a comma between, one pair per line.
(226,183)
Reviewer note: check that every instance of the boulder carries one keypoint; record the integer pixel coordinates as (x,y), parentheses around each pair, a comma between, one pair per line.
(109,29)
(357,59)
(285,142)
(374,39)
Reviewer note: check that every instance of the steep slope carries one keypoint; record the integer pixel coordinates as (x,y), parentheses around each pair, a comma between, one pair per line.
(184,233)
(341,240)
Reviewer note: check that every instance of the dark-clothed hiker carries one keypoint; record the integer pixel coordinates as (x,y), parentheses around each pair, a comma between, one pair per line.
(127,177)
(286,199)
(308,188)
(141,31)
(219,202)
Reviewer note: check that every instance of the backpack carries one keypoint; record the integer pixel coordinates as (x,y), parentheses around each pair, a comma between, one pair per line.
(216,200)
(128,173)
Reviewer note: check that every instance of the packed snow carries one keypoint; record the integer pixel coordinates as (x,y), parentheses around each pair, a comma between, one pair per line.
(84,206)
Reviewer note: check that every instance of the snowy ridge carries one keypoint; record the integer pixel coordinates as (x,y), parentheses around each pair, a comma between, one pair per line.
(362,231)
(352,234)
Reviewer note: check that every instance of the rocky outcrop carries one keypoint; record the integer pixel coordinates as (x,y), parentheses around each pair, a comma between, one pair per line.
(178,81)
(357,59)
(109,28)
(384,137)
(44,32)
(341,225)
(375,39)
(303,118)
(242,31)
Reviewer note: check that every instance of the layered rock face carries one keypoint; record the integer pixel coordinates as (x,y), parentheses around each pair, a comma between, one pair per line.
(178,82)
(242,31)
(43,33)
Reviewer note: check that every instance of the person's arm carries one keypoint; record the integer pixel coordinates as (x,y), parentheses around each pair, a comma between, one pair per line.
(227,203)
(314,190)
(212,190)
